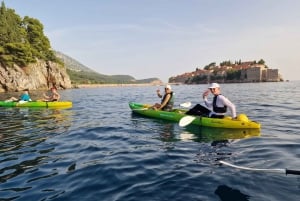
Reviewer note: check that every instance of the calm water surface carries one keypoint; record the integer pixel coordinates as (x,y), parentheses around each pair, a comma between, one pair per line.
(99,150)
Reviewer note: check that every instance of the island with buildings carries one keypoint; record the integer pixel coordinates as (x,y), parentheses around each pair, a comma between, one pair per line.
(229,72)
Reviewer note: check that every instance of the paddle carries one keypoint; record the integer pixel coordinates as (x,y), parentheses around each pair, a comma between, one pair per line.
(186,104)
(186,120)
(284,171)
(146,106)
(22,101)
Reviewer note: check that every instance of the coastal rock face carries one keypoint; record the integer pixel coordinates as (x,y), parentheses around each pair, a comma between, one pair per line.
(40,75)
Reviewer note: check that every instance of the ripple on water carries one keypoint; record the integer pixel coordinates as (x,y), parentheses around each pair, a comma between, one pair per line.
(99,150)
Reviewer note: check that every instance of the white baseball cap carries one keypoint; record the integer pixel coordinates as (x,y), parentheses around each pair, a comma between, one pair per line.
(168,87)
(214,85)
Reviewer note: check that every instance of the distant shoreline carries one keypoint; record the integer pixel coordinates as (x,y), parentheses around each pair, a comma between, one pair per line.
(80,86)
(83,86)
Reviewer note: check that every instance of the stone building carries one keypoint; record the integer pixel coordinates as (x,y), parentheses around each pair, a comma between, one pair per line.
(250,72)
(254,74)
(272,75)
(261,74)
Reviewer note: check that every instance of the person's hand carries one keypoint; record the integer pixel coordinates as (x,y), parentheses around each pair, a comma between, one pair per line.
(158,93)
(205,93)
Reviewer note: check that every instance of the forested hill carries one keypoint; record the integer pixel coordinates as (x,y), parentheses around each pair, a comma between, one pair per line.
(27,60)
(81,74)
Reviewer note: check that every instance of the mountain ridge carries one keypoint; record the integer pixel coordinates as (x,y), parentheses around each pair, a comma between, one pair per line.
(81,74)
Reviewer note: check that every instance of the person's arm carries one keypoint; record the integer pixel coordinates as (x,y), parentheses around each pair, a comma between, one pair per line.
(158,93)
(57,95)
(230,105)
(205,94)
(46,96)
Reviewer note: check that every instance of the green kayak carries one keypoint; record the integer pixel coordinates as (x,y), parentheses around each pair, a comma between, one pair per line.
(56,104)
(177,114)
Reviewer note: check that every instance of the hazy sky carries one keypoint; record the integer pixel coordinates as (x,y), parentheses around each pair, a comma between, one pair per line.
(164,38)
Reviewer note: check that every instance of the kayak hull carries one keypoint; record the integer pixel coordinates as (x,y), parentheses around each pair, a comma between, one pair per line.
(56,104)
(177,114)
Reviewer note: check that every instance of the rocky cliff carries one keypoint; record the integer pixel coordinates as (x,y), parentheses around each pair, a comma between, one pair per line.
(40,75)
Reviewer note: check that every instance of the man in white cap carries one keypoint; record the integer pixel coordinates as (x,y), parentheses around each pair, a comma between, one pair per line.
(219,104)
(167,100)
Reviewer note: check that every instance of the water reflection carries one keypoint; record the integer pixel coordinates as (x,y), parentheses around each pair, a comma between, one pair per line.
(167,132)
(214,141)
(23,136)
(167,135)
(226,193)
(31,120)
(26,127)
(207,134)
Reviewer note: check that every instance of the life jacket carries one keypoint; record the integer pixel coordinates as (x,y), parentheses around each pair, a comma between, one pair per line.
(216,108)
(25,97)
(170,103)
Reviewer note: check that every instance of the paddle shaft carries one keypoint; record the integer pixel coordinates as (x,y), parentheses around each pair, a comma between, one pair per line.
(284,171)
(146,106)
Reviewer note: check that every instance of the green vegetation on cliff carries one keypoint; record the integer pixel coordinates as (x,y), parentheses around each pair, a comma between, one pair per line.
(22,40)
(90,77)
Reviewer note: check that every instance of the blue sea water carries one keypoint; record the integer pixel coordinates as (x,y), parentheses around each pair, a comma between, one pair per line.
(99,150)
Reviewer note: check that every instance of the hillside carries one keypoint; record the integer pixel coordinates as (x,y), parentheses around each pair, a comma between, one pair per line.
(26,57)
(81,74)
(27,60)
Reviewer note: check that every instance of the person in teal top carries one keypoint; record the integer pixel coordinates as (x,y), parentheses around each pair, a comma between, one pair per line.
(24,97)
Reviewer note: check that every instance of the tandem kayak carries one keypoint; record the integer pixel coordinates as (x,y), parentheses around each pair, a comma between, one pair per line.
(56,104)
(177,114)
